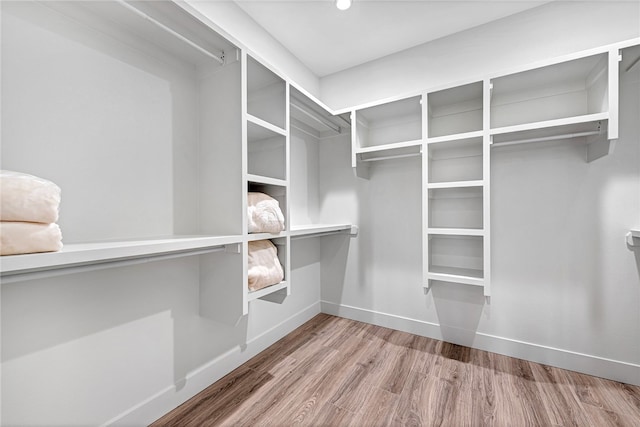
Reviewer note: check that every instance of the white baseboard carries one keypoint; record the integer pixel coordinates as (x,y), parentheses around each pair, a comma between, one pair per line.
(597,366)
(171,397)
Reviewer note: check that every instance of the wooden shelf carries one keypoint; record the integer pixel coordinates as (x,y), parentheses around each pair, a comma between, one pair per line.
(86,254)
(267,291)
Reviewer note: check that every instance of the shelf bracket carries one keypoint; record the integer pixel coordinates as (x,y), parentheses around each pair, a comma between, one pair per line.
(633,239)
(599,145)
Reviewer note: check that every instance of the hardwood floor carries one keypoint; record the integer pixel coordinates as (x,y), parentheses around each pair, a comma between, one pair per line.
(337,372)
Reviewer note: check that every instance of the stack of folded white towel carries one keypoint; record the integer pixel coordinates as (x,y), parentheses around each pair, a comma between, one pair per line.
(28,214)
(264,216)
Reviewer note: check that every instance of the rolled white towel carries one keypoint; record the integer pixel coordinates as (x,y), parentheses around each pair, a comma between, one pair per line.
(264,214)
(29,237)
(264,266)
(28,198)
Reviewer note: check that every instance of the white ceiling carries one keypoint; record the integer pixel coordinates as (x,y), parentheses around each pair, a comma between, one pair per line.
(327,40)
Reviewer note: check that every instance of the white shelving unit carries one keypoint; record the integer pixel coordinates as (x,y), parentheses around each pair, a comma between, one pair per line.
(574,99)
(385,131)
(266,121)
(456,188)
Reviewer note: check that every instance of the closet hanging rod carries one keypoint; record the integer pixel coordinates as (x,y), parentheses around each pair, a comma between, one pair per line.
(397,156)
(100,265)
(544,138)
(317,119)
(218,58)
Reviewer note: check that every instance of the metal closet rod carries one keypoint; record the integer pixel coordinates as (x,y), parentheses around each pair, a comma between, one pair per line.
(218,58)
(544,138)
(316,118)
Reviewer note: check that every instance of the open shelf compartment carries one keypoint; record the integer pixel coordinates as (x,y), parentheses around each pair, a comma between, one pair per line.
(455,161)
(558,91)
(266,94)
(457,208)
(266,152)
(456,259)
(282,288)
(455,110)
(389,123)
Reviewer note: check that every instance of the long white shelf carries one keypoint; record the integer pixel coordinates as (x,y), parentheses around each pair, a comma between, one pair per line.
(387,147)
(455,137)
(251,237)
(266,291)
(311,230)
(587,118)
(456,231)
(84,254)
(455,184)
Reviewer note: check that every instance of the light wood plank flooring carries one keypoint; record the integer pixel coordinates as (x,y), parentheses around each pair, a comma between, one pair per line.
(337,372)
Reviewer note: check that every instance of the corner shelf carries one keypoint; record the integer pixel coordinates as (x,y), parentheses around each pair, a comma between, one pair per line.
(90,254)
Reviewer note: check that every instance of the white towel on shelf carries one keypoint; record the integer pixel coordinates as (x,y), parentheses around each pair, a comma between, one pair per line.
(264,214)
(264,266)
(28,198)
(29,237)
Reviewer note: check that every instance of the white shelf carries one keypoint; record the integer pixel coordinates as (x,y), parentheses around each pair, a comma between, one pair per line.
(633,237)
(252,237)
(456,275)
(84,254)
(313,230)
(266,180)
(273,128)
(455,137)
(388,147)
(587,118)
(456,231)
(455,184)
(267,291)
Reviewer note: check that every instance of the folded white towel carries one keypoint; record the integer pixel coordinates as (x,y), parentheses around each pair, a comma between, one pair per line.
(28,198)
(264,214)
(29,237)
(264,265)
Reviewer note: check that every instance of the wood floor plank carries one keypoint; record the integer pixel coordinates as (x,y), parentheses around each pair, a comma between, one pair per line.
(338,372)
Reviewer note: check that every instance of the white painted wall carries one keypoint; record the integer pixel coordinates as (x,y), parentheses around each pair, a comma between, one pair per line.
(554,29)
(565,287)
(227,16)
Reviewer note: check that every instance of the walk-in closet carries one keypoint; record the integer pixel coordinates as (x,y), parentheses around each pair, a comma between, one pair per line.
(222,213)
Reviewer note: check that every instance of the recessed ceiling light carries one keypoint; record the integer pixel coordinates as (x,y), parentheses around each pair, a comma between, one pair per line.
(343,4)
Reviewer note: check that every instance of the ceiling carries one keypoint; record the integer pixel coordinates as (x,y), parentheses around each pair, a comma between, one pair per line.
(327,40)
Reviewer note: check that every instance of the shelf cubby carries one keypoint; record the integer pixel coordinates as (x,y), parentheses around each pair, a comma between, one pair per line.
(389,123)
(454,161)
(266,94)
(266,151)
(273,188)
(457,207)
(455,110)
(282,288)
(558,91)
(456,258)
